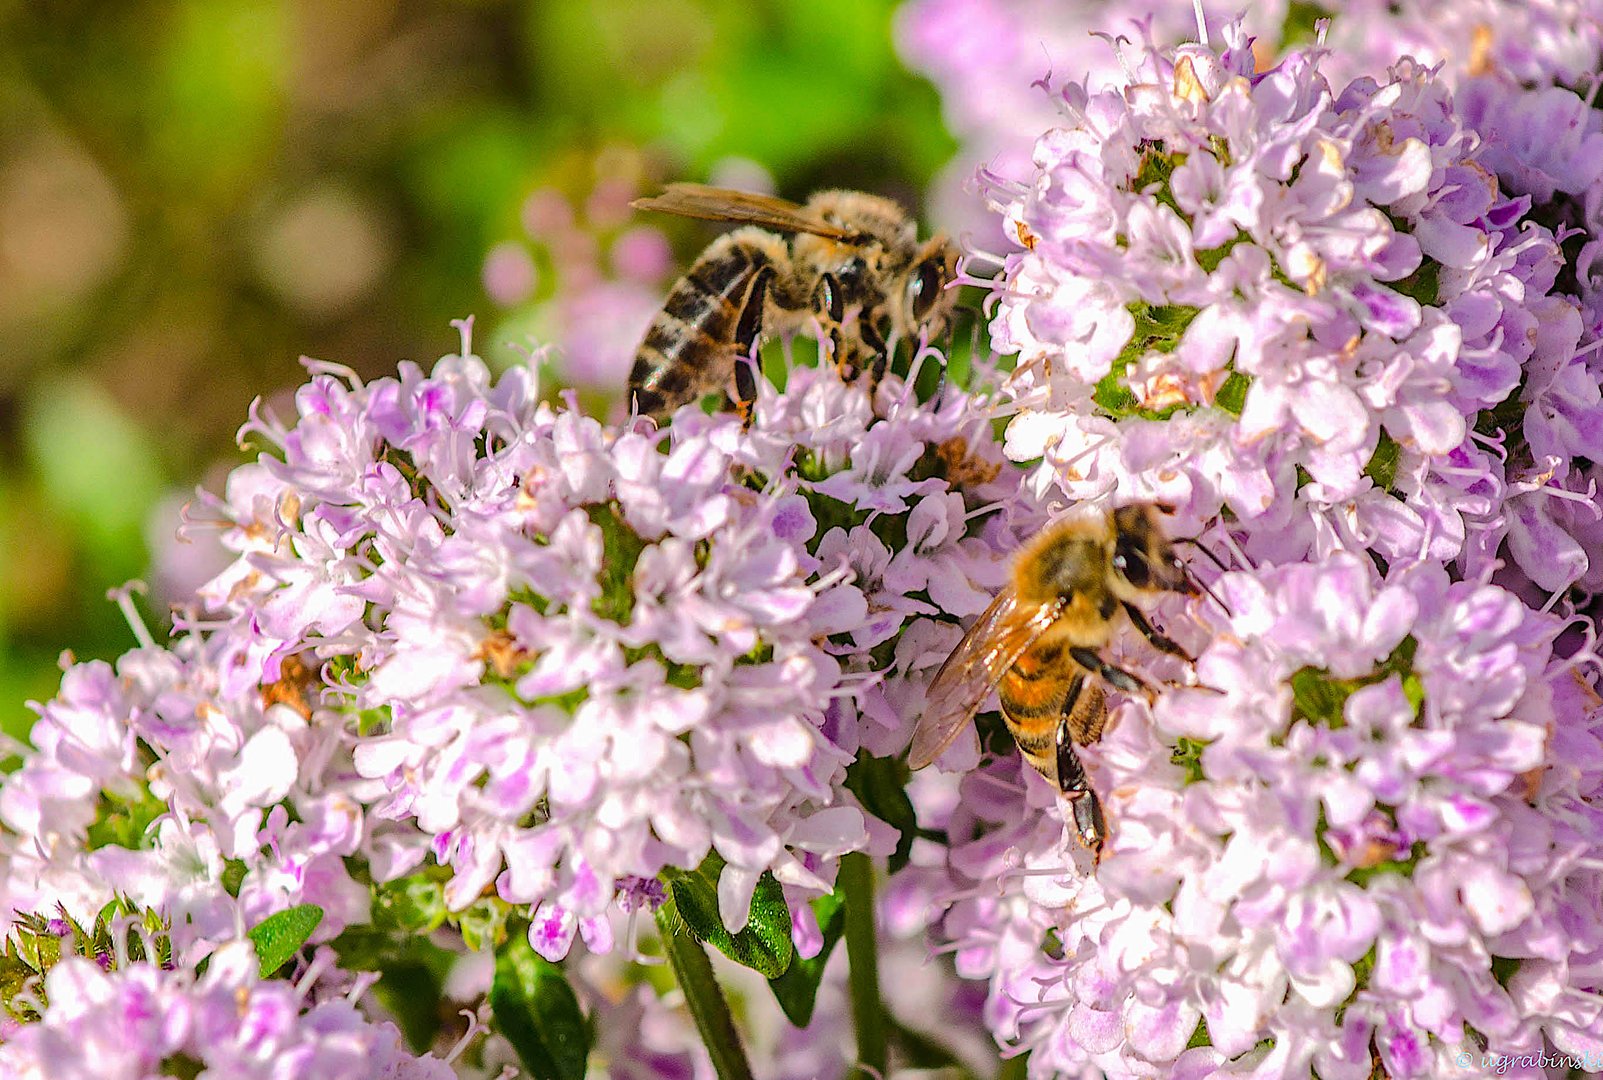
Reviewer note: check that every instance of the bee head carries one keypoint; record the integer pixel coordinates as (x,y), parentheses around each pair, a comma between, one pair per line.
(1144,561)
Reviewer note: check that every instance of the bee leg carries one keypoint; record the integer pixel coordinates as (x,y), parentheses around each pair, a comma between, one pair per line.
(876,347)
(830,306)
(1159,641)
(1115,677)
(1072,781)
(878,357)
(746,333)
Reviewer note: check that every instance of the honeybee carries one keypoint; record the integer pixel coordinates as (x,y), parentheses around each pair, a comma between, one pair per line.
(1037,646)
(851,259)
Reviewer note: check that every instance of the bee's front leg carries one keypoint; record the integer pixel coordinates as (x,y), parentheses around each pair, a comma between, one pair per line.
(1114,676)
(879,354)
(747,331)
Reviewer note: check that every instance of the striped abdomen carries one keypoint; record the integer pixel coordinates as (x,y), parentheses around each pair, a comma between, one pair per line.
(1043,690)
(690,348)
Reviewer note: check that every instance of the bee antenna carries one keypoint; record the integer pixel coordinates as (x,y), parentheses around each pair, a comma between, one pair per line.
(1212,595)
(1191,541)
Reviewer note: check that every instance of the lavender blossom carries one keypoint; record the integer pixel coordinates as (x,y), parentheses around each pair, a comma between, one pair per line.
(534,610)
(1534,43)
(1520,77)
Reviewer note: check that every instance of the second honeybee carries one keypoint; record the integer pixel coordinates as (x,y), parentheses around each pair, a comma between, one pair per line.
(852,261)
(1037,645)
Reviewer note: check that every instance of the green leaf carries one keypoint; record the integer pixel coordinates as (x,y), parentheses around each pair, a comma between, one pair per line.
(764,944)
(181,1067)
(797,989)
(1157,167)
(1157,329)
(1211,258)
(233,876)
(880,784)
(1187,754)
(1504,969)
(537,1011)
(1317,697)
(1232,396)
(1382,467)
(280,936)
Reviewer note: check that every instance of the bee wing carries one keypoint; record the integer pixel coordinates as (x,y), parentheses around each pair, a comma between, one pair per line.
(726,204)
(998,638)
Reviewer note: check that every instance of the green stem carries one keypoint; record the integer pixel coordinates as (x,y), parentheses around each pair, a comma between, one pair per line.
(856,882)
(703,996)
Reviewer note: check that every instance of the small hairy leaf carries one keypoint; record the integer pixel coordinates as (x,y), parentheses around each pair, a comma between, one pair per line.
(537,1011)
(764,944)
(280,936)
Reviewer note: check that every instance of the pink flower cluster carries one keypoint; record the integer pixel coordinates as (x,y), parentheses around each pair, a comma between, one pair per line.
(1332,329)
(482,644)
(147,779)
(989,59)
(1371,823)
(1241,291)
(574,659)
(1511,78)
(469,628)
(140,1021)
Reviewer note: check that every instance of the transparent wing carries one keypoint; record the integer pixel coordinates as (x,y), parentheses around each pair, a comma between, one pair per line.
(998,638)
(726,204)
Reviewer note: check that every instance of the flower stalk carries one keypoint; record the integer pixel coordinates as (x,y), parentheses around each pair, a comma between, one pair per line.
(856,882)
(703,996)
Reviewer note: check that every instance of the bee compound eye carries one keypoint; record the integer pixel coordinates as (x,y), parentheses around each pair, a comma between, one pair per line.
(925,288)
(1132,565)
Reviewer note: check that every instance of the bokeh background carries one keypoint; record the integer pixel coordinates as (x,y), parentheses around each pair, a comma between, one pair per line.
(195,193)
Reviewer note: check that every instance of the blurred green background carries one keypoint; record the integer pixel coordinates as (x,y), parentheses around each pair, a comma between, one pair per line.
(195,193)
